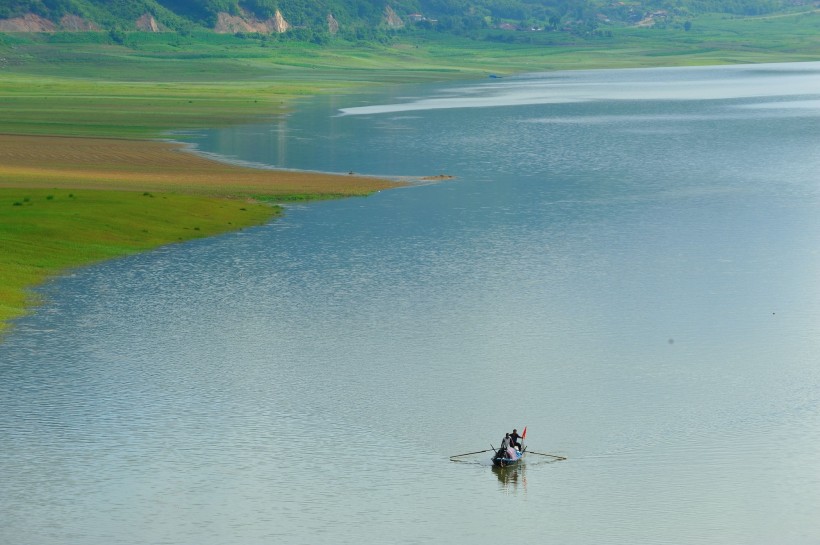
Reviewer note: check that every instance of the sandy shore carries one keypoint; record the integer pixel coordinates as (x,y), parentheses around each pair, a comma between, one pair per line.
(138,165)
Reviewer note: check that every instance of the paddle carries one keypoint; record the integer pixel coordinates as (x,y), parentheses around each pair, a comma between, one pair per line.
(469,453)
(557,457)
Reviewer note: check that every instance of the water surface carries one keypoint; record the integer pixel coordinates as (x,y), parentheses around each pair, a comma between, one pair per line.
(626,263)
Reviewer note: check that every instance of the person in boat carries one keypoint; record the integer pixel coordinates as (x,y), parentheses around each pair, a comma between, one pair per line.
(505,443)
(514,439)
(507,450)
(503,450)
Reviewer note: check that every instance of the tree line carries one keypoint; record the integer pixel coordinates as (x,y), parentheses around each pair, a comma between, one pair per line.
(441,15)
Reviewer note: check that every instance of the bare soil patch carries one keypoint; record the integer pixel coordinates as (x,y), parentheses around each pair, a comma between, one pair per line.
(134,165)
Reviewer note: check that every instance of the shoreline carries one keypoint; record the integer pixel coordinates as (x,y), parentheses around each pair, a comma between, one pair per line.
(399,181)
(72,201)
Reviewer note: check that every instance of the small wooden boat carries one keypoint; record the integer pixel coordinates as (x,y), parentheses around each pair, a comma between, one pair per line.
(502,457)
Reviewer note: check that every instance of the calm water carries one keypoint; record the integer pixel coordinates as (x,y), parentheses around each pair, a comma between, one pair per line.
(626,264)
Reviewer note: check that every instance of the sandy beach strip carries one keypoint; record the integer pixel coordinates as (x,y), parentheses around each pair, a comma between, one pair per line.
(140,165)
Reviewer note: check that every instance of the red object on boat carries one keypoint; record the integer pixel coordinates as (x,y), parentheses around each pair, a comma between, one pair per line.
(524,433)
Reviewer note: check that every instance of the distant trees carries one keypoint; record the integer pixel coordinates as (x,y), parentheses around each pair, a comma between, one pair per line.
(736,7)
(117,35)
(365,17)
(261,8)
(9,10)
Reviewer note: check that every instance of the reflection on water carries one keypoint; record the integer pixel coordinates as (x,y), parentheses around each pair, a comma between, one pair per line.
(306,381)
(512,479)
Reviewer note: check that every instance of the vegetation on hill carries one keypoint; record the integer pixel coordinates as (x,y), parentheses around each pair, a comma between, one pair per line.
(360,18)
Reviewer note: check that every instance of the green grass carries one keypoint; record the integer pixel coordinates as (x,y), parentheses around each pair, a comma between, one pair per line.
(78,84)
(46,231)
(82,107)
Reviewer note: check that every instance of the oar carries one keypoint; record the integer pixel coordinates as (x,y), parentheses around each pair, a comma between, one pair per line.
(550,455)
(469,453)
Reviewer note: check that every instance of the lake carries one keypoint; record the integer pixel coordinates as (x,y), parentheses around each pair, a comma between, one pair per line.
(625,262)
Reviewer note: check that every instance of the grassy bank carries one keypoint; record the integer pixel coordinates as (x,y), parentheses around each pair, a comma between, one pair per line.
(67,202)
(77,118)
(45,231)
(79,181)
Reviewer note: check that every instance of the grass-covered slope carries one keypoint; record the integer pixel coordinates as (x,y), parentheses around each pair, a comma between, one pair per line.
(45,231)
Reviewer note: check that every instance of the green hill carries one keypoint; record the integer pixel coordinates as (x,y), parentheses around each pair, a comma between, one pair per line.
(350,17)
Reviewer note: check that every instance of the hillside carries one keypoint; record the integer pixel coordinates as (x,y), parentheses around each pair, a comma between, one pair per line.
(360,19)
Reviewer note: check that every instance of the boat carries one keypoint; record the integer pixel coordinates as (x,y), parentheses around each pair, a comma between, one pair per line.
(502,457)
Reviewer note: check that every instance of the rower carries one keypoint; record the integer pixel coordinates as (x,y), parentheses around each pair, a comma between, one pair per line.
(514,439)
(506,442)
